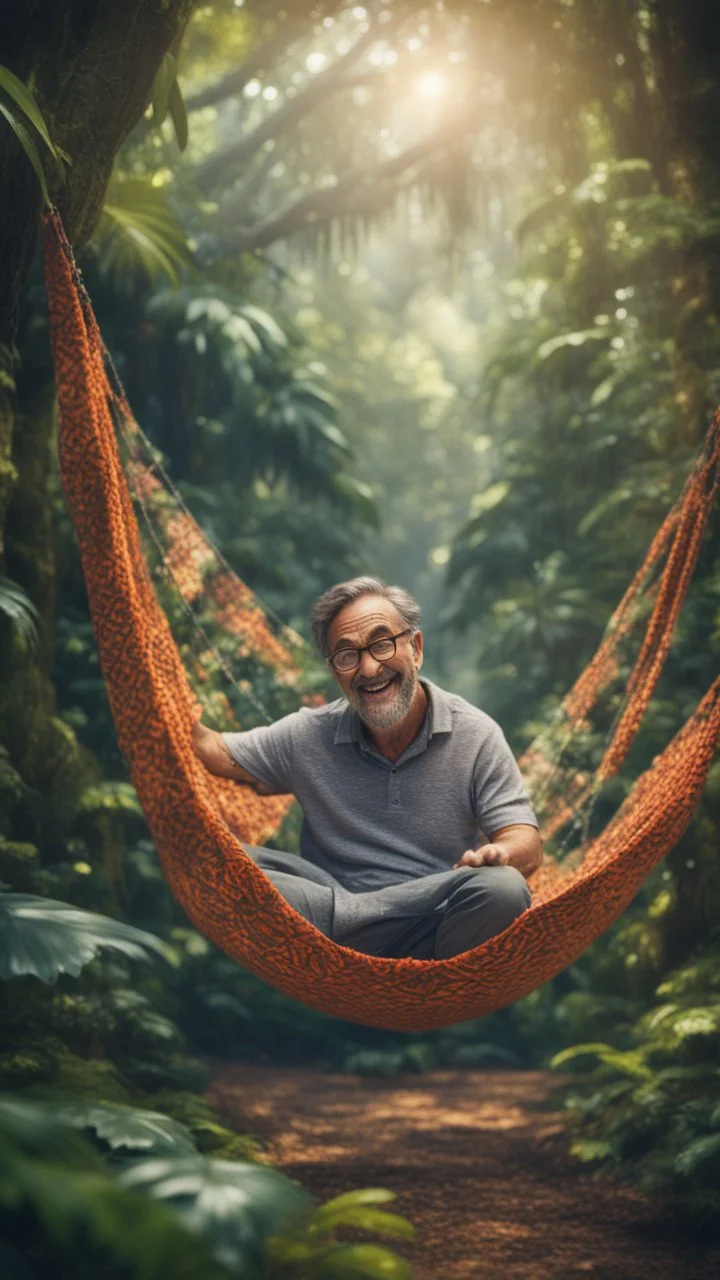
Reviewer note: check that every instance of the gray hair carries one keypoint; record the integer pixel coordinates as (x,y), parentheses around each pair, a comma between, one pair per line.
(328,605)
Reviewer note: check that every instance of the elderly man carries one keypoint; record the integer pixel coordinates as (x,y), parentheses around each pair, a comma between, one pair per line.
(418,834)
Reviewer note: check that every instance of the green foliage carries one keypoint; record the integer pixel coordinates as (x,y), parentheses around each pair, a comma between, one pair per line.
(126,1128)
(649,1112)
(245,363)
(629,1063)
(236,1205)
(315,1251)
(46,938)
(52,1174)
(25,100)
(139,234)
(109,796)
(585,436)
(204,1218)
(418,1056)
(167,97)
(178,115)
(12,789)
(375,1062)
(21,612)
(164,77)
(20,111)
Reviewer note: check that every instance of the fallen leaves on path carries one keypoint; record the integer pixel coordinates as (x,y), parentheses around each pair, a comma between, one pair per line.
(480,1165)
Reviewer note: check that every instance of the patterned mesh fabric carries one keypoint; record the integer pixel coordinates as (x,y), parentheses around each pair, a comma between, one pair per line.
(199,822)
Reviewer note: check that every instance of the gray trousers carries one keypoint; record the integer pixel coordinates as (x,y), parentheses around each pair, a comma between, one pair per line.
(431,917)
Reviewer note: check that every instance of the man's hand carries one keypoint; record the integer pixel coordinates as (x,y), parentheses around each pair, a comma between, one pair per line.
(518,845)
(490,855)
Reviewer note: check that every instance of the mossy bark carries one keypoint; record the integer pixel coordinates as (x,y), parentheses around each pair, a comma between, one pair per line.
(91,67)
(685,50)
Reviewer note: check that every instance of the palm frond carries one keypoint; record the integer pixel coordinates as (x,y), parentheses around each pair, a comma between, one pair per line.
(139,233)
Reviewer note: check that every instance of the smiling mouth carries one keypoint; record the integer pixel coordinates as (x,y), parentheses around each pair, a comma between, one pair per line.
(379,689)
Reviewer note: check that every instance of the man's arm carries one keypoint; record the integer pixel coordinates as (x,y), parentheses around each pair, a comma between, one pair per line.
(517,846)
(211,750)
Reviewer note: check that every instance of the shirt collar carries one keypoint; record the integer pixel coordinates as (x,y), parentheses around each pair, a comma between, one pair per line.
(349,724)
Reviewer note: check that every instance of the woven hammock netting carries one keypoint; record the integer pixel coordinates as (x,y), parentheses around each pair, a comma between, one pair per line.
(146,562)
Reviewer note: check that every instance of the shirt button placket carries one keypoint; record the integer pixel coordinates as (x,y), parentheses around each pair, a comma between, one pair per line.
(394,790)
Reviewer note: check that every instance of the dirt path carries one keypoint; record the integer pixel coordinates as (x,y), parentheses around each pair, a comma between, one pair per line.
(479,1164)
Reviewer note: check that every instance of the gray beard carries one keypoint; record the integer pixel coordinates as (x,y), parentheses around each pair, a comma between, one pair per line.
(389,713)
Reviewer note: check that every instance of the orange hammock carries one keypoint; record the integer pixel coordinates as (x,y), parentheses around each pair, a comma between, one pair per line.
(198,822)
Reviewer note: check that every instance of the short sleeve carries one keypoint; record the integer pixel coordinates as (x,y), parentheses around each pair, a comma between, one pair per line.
(500,797)
(266,752)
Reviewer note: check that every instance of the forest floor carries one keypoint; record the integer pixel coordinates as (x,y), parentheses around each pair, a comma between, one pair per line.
(480,1165)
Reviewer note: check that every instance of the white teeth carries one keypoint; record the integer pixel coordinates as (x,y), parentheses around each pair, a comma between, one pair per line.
(377,688)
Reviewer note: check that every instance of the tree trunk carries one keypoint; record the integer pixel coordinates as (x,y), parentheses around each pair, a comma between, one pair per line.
(686,46)
(91,65)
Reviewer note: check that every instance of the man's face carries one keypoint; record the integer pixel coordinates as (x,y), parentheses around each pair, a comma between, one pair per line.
(380,691)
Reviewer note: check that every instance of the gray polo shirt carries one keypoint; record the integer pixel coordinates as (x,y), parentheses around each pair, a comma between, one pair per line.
(371,822)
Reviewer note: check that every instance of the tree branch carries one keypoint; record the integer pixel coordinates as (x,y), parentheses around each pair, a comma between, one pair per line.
(288,30)
(220,165)
(291,27)
(244,194)
(358,191)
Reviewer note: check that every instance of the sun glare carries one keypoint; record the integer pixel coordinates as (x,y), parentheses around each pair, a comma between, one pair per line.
(432,85)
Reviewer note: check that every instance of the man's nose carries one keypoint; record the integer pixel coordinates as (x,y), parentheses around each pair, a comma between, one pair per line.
(369,666)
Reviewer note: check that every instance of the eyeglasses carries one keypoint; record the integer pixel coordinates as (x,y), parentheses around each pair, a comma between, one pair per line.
(382,649)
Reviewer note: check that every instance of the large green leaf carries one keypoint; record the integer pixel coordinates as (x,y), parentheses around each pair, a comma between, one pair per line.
(359,493)
(698,1153)
(164,79)
(306,389)
(178,114)
(235,1205)
(25,99)
(351,1200)
(56,1173)
(32,1128)
(265,323)
(45,938)
(120,1126)
(339,1261)
(367,1218)
(629,1062)
(28,147)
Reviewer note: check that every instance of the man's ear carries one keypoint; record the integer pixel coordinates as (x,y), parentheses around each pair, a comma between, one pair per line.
(418,649)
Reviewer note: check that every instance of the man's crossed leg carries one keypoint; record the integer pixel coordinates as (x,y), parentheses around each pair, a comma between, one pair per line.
(430,917)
